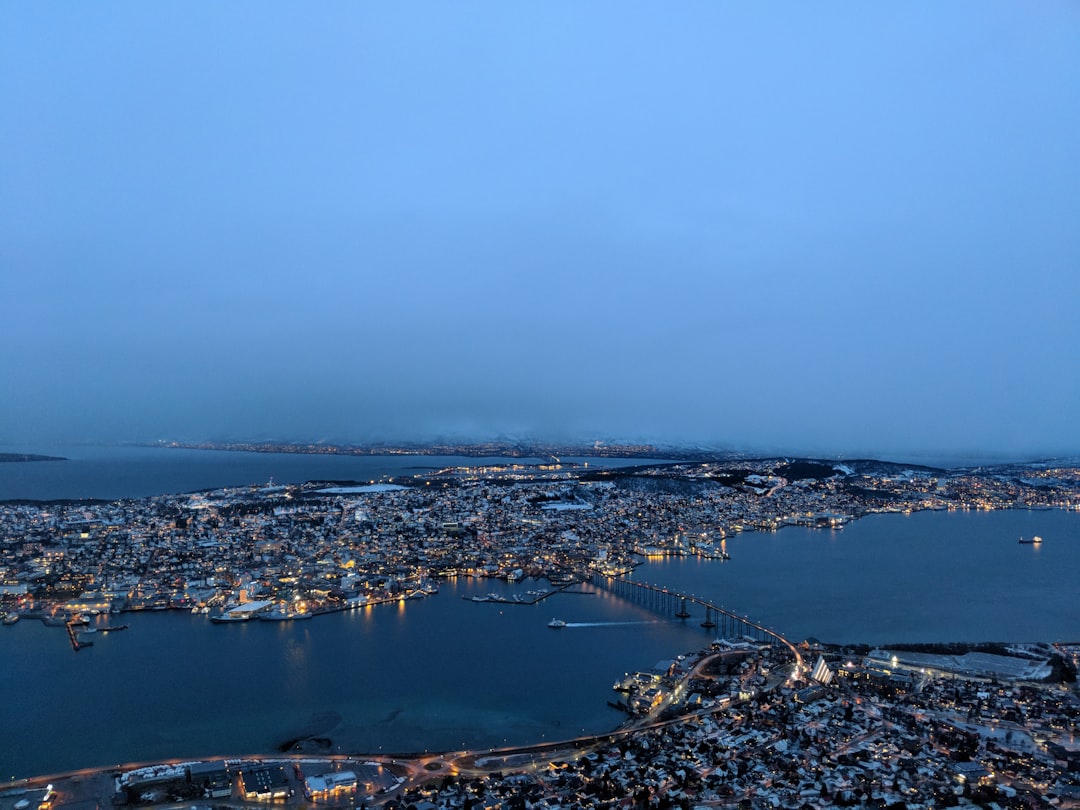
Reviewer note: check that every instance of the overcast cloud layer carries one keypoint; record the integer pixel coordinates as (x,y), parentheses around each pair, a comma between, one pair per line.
(846,228)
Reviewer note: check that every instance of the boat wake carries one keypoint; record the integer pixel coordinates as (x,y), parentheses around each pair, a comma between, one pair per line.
(607,624)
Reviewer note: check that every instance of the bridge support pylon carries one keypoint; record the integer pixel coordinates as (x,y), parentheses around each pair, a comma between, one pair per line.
(708,623)
(683,612)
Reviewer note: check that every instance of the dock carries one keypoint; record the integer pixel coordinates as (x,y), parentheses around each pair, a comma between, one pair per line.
(73,635)
(536,596)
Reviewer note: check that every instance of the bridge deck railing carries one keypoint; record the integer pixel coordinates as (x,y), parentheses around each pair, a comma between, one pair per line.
(667,600)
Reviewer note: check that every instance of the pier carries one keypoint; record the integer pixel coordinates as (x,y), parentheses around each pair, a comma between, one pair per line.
(535,597)
(73,634)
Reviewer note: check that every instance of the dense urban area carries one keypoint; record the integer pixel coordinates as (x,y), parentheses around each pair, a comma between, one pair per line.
(744,723)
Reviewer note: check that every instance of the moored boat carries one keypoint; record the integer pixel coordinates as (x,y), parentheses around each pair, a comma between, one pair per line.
(1034,541)
(228,618)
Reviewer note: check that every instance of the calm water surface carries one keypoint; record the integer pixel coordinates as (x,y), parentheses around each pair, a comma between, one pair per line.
(928,576)
(440,673)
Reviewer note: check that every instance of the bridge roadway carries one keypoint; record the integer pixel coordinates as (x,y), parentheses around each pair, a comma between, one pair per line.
(659,597)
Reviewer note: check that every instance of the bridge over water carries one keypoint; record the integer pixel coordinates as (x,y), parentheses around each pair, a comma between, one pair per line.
(668,602)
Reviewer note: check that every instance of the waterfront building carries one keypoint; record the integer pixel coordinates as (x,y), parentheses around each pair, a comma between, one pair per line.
(264,784)
(330,785)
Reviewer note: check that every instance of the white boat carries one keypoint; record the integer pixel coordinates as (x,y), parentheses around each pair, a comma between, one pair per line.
(227,618)
(556,624)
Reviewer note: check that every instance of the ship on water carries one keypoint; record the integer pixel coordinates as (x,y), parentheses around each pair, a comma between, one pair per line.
(227,618)
(1034,541)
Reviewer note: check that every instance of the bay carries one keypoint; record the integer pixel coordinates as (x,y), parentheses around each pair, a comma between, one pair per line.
(889,578)
(441,673)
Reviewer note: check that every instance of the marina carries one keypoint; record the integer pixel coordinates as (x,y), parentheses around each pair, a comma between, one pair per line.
(530,597)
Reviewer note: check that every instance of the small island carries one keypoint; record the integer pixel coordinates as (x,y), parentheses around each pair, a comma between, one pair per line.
(13,457)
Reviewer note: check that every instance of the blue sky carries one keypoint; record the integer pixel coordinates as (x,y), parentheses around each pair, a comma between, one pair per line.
(845,228)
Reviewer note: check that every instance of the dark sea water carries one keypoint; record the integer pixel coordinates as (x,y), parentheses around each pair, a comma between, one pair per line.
(927,576)
(138,472)
(440,673)
(444,673)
